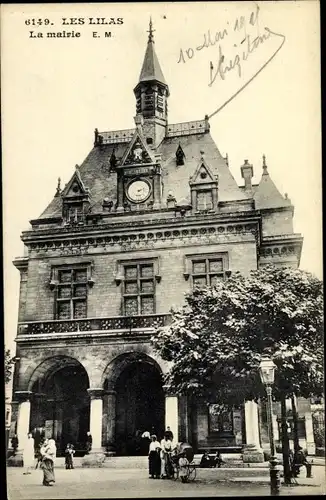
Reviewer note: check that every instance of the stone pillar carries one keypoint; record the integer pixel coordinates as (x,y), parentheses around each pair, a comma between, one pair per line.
(171,415)
(111,421)
(23,423)
(96,456)
(311,447)
(157,187)
(120,194)
(237,427)
(252,451)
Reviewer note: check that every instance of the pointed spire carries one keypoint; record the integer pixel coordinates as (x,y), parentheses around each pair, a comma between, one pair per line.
(150,31)
(58,191)
(151,69)
(265,171)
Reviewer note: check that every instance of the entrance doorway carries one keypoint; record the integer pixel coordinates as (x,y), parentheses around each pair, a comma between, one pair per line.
(139,407)
(62,411)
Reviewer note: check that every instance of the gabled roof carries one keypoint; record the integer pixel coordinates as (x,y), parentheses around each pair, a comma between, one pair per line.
(176,179)
(137,151)
(75,186)
(267,195)
(97,176)
(202,168)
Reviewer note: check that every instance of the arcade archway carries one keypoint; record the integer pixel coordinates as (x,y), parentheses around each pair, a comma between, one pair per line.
(60,404)
(139,405)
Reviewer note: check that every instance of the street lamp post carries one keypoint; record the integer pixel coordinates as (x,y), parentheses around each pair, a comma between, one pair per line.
(267,371)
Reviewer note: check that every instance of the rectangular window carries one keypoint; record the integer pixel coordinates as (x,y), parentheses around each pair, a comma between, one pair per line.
(75,213)
(139,289)
(204,200)
(71,299)
(207,271)
(219,420)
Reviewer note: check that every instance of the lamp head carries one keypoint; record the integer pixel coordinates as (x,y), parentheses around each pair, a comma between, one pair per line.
(267,370)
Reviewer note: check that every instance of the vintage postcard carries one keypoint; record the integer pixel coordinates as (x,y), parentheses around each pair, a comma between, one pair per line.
(162,249)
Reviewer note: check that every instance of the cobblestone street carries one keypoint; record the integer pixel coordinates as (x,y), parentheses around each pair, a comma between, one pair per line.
(130,483)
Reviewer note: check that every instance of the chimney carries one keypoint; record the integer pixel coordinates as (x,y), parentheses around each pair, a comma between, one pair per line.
(247,174)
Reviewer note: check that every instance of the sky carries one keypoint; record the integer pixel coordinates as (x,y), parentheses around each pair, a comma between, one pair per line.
(57,90)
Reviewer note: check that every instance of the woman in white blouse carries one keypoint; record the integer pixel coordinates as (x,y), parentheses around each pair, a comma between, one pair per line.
(166,449)
(154,460)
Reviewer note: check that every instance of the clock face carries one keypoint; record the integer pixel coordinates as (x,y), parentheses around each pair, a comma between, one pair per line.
(138,191)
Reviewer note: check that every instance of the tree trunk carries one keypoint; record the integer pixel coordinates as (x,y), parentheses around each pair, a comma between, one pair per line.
(295,424)
(285,444)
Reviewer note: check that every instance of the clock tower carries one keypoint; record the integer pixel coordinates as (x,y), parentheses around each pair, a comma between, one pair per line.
(151,94)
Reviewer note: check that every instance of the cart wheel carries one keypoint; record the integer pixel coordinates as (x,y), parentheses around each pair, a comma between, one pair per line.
(191,473)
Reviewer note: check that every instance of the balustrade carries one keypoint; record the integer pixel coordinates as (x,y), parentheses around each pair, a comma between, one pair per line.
(126,323)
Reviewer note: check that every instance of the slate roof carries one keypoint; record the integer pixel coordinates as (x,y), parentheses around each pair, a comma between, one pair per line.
(267,195)
(102,183)
(151,69)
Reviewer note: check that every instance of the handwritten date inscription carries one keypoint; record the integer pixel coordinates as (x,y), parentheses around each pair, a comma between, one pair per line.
(249,38)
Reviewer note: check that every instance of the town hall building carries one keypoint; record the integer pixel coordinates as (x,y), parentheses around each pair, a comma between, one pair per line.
(152,212)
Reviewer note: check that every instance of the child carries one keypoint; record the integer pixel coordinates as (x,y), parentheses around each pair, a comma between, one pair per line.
(69,456)
(183,467)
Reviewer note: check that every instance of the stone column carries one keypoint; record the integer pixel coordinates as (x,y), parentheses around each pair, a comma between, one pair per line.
(171,415)
(120,194)
(96,456)
(311,447)
(23,423)
(252,451)
(111,421)
(237,427)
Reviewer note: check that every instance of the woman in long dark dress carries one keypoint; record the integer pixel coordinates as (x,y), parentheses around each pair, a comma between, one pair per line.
(48,452)
(154,460)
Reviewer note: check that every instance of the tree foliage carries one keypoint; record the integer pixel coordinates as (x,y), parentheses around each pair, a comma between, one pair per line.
(215,342)
(8,365)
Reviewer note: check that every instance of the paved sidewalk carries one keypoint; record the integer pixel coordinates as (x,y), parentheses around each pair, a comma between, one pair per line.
(82,483)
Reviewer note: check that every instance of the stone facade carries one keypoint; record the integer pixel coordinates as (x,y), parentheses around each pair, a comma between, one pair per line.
(151,212)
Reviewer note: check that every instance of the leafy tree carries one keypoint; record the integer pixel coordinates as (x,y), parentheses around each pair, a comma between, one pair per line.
(216,340)
(8,366)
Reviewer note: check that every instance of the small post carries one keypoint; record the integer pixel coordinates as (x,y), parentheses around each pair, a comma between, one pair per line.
(274,470)
(266,371)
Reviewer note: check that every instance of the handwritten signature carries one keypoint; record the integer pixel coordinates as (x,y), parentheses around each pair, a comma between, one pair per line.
(223,68)
(249,44)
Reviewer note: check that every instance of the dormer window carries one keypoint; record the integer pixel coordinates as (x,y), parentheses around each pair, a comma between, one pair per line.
(204,200)
(203,186)
(179,156)
(75,214)
(75,200)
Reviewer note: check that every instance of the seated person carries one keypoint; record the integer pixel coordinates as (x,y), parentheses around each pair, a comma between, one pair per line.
(206,461)
(218,459)
(183,467)
(299,459)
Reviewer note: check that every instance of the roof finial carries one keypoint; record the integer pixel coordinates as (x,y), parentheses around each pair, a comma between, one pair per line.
(264,166)
(150,31)
(58,191)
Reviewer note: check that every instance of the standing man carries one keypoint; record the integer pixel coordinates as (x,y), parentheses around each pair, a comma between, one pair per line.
(14,443)
(169,434)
